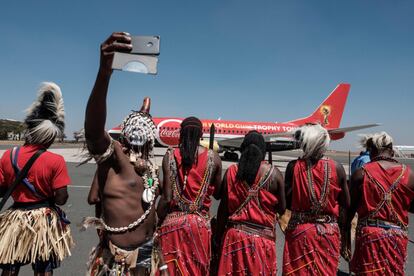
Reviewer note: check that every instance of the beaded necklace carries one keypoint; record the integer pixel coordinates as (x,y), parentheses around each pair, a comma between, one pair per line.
(384,158)
(183,203)
(150,183)
(317,205)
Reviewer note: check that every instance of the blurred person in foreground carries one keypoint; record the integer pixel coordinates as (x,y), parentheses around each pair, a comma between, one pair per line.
(253,192)
(34,229)
(382,193)
(316,188)
(126,181)
(192,174)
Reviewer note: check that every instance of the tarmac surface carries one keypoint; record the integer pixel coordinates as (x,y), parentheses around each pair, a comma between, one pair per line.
(77,208)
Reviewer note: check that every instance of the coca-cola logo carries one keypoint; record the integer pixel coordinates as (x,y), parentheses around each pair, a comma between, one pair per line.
(169,132)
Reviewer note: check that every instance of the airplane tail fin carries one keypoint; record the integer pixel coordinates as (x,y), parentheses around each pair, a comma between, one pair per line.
(329,113)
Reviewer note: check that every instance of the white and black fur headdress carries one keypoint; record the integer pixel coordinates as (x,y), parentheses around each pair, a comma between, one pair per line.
(45,117)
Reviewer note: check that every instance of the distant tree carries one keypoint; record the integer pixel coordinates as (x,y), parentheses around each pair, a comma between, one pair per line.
(7,126)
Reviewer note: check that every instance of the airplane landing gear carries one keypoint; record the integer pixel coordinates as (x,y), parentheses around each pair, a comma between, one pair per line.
(231,156)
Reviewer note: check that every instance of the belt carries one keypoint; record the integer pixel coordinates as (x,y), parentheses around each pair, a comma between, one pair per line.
(255,229)
(42,204)
(381,223)
(179,214)
(32,205)
(301,218)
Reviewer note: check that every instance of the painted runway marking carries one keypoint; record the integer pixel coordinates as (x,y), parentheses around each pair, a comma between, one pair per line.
(78,186)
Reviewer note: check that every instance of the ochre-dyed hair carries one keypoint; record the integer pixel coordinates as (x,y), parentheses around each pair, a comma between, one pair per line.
(190,133)
(253,151)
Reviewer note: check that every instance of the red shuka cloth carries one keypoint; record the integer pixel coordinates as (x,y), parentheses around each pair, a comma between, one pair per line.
(184,238)
(313,248)
(378,250)
(245,253)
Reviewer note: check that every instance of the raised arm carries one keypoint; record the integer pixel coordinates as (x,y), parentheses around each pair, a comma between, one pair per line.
(96,138)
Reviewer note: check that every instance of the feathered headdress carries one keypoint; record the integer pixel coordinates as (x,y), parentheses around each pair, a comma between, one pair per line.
(45,117)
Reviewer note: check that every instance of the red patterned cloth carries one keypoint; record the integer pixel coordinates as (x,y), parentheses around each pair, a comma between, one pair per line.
(249,252)
(312,240)
(47,174)
(197,192)
(381,237)
(185,235)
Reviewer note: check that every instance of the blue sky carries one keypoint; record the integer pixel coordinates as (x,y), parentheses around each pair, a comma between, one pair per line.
(234,59)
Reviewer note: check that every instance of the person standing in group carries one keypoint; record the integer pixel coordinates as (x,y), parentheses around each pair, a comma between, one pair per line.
(35,230)
(192,174)
(253,192)
(360,161)
(126,181)
(382,193)
(316,188)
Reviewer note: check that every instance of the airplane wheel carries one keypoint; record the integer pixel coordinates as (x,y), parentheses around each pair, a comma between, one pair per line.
(234,156)
(231,156)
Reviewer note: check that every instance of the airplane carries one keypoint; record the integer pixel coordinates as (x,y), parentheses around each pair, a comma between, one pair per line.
(278,136)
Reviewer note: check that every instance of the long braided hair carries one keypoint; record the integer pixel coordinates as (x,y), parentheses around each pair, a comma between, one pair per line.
(253,152)
(190,134)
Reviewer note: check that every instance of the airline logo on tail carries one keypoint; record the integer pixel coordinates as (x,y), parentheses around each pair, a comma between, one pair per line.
(329,113)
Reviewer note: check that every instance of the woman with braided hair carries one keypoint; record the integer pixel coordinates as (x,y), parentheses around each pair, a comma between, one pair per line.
(192,174)
(253,192)
(382,192)
(315,190)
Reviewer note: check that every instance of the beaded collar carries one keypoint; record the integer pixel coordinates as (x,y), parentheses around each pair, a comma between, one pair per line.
(384,158)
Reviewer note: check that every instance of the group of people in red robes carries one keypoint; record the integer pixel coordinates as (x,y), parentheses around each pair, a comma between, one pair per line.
(254,194)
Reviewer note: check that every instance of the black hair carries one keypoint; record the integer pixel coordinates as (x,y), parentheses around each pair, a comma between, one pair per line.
(190,134)
(253,151)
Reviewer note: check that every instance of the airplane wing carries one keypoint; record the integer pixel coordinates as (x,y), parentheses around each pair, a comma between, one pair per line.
(348,129)
(235,143)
